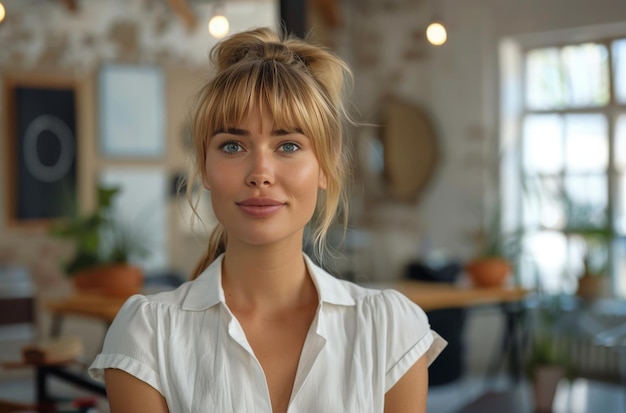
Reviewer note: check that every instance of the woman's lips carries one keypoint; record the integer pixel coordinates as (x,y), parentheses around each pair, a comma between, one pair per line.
(260,207)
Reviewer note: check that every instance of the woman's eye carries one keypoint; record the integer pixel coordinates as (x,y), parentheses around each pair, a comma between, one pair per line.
(231,147)
(289,147)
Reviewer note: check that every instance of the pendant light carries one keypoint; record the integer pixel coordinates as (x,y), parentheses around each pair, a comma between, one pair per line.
(218,25)
(436,33)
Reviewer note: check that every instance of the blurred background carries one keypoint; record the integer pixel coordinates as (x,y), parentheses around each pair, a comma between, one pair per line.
(501,133)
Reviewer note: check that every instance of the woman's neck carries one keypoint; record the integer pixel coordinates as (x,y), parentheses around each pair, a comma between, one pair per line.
(267,280)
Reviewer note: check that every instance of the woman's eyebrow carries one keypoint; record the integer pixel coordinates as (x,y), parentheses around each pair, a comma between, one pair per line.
(281,132)
(244,132)
(232,131)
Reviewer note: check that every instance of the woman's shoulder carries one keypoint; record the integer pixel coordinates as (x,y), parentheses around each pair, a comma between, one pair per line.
(366,296)
(390,301)
(381,302)
(170,299)
(384,305)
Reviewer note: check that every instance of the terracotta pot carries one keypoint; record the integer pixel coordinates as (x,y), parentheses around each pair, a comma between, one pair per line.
(592,286)
(545,382)
(488,272)
(119,280)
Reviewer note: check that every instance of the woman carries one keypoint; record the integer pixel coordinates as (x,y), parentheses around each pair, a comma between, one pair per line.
(261,328)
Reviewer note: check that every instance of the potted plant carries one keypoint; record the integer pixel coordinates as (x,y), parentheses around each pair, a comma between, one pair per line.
(104,247)
(496,248)
(548,361)
(595,236)
(496,252)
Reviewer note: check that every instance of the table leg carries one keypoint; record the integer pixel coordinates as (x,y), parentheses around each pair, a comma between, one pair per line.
(512,343)
(515,329)
(44,404)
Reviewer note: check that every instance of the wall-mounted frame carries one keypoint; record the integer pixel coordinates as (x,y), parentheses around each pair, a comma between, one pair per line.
(42,132)
(132,111)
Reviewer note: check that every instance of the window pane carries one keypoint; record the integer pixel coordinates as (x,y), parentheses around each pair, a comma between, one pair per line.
(142,205)
(544,206)
(619,69)
(587,146)
(586,75)
(548,252)
(576,253)
(620,142)
(586,201)
(620,213)
(543,144)
(620,268)
(544,79)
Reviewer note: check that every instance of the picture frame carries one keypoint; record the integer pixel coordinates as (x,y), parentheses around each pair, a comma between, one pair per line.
(132,111)
(42,128)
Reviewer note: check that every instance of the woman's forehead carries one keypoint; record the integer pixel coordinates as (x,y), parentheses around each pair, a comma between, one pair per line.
(261,116)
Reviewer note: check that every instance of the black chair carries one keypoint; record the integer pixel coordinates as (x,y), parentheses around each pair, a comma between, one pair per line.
(449,323)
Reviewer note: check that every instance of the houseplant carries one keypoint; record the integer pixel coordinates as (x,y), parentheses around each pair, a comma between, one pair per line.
(593,282)
(595,236)
(104,247)
(496,252)
(496,248)
(547,361)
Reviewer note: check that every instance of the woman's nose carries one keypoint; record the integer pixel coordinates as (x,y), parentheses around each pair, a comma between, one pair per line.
(261,171)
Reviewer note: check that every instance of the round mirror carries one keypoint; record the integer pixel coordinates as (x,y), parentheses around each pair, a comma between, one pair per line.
(399,158)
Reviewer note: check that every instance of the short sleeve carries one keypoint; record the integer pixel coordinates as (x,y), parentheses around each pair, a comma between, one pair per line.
(408,336)
(130,343)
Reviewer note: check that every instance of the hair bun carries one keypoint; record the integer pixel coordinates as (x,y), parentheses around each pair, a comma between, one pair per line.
(265,44)
(260,44)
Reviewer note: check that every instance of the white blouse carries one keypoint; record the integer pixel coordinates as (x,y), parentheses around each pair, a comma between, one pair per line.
(188,345)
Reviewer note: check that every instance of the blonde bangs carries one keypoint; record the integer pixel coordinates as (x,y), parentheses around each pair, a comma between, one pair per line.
(292,100)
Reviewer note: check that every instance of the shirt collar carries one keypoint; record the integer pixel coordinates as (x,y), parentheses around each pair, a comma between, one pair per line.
(206,290)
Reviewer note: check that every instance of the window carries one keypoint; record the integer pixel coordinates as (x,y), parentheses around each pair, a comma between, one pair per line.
(570,162)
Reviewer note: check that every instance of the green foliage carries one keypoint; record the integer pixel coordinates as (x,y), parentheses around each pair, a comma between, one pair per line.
(98,237)
(584,221)
(547,344)
(493,242)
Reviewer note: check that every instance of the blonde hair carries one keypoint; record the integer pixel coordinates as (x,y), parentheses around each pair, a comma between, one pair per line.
(299,84)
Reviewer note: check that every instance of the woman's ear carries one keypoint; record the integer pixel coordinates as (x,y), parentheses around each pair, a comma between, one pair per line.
(322,181)
(205,181)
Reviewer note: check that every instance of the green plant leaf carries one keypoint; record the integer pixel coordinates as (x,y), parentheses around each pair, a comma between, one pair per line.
(99,237)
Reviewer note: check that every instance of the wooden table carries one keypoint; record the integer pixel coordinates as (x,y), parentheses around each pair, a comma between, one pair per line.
(436,296)
(97,306)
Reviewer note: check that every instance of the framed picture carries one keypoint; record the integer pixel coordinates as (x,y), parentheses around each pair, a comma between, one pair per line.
(41,138)
(132,111)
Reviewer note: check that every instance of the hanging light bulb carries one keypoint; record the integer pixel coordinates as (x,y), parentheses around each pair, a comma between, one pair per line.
(3,12)
(436,33)
(218,26)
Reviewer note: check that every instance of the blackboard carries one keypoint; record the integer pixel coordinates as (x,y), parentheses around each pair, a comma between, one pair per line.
(41,152)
